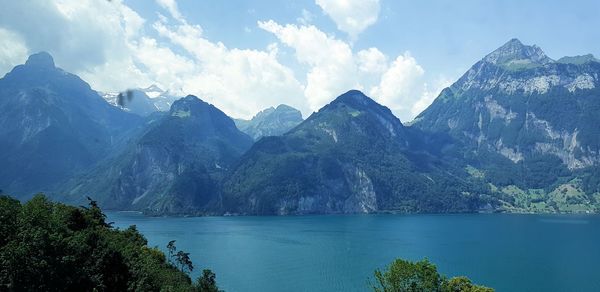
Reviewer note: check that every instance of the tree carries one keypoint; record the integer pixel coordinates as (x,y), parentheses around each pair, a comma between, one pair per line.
(207,282)
(171,248)
(405,276)
(184,261)
(9,210)
(180,259)
(463,284)
(46,246)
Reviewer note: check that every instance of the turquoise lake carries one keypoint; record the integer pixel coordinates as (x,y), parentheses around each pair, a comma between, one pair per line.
(340,253)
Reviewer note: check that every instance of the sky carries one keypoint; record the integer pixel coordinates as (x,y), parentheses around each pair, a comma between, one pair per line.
(244,56)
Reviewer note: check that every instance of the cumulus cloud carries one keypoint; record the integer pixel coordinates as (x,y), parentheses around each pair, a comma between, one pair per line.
(241,80)
(371,60)
(334,68)
(113,48)
(12,50)
(430,92)
(87,37)
(107,45)
(400,84)
(351,16)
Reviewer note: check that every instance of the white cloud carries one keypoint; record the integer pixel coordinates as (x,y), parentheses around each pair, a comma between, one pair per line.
(429,94)
(371,60)
(106,44)
(351,16)
(239,80)
(90,38)
(332,65)
(400,85)
(306,18)
(334,69)
(171,6)
(12,51)
(109,45)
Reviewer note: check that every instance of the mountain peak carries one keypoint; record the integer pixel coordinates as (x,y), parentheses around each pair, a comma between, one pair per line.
(189,106)
(353,104)
(189,100)
(153,88)
(515,53)
(285,107)
(354,97)
(40,60)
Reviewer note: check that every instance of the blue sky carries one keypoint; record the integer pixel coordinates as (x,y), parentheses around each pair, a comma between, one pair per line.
(243,56)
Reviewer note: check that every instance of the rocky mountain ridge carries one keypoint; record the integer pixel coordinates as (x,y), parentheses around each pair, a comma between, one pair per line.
(270,122)
(516,133)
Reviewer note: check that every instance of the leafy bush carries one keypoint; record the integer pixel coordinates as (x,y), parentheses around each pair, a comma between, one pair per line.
(405,276)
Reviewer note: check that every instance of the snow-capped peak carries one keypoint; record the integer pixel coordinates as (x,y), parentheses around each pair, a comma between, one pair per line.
(153,91)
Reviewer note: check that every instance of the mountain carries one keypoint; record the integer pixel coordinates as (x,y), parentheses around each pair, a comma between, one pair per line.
(175,166)
(133,101)
(52,126)
(162,99)
(141,101)
(578,60)
(270,122)
(528,125)
(352,156)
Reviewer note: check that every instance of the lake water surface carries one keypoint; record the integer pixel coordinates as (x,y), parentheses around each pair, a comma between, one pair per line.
(340,253)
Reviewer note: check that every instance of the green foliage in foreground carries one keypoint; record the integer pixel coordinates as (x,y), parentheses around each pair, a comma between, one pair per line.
(405,276)
(46,246)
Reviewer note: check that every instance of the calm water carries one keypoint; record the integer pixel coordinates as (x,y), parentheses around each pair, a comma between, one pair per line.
(339,253)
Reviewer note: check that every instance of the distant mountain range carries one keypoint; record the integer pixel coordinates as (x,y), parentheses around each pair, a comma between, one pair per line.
(143,101)
(271,122)
(517,133)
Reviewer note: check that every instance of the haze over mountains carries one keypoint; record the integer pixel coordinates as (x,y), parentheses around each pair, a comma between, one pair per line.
(518,133)
(52,126)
